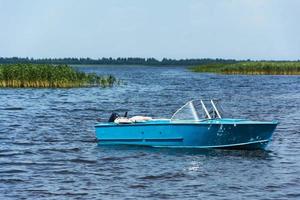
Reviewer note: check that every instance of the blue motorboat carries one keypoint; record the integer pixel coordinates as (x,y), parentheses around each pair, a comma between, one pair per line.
(197,124)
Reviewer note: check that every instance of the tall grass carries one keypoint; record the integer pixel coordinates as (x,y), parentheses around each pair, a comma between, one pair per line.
(252,68)
(49,76)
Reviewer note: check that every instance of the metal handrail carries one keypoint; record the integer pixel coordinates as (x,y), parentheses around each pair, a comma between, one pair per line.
(205,109)
(215,108)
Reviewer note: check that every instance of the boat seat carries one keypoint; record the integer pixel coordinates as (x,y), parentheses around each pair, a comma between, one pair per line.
(140,119)
(135,119)
(122,120)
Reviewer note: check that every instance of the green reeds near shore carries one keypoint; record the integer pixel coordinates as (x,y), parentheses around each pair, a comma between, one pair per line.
(49,76)
(252,68)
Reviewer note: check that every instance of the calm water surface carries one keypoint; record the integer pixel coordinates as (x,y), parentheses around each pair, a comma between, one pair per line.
(48,148)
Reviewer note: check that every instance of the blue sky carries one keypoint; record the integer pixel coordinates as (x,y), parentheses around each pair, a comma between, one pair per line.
(240,29)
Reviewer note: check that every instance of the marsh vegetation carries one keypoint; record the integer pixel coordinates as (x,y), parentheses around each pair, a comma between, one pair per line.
(252,68)
(50,76)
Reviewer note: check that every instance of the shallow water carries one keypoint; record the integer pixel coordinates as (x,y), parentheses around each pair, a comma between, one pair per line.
(48,148)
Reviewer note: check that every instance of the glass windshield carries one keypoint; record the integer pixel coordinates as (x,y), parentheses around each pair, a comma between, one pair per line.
(186,112)
(196,110)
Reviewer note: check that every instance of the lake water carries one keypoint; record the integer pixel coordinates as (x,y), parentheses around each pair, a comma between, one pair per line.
(48,148)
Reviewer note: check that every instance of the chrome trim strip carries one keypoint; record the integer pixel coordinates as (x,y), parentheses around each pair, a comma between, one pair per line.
(217,146)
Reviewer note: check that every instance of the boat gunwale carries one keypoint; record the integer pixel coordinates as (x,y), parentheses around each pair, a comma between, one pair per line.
(182,122)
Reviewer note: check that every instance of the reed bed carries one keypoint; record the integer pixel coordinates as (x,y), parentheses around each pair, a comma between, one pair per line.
(49,76)
(252,68)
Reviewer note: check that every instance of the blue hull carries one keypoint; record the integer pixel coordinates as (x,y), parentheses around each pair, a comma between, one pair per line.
(222,133)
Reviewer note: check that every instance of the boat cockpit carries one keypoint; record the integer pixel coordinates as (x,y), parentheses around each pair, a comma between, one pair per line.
(194,110)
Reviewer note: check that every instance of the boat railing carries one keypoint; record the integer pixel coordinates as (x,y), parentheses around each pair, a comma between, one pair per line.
(209,110)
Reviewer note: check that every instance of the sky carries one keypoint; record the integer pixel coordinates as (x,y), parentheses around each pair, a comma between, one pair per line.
(235,29)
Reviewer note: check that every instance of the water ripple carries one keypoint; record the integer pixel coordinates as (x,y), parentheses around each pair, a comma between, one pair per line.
(48,149)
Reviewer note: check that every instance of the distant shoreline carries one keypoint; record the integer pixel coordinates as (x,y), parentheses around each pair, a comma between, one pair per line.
(128,61)
(114,61)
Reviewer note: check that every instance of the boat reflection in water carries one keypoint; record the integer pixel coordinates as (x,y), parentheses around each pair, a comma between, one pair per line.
(197,124)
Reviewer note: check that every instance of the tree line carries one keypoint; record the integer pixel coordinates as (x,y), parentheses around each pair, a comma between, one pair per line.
(114,61)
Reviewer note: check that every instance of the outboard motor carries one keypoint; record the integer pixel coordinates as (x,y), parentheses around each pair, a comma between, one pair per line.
(113,117)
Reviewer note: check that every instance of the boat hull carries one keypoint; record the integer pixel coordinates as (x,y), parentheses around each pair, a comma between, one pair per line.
(237,135)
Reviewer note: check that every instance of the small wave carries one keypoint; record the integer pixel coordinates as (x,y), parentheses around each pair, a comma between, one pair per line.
(65,171)
(11,181)
(163,176)
(293,195)
(72,194)
(9,153)
(113,158)
(29,163)
(88,141)
(75,149)
(51,140)
(15,125)
(29,143)
(46,192)
(13,108)
(138,186)
(12,171)
(80,160)
(273,187)
(87,109)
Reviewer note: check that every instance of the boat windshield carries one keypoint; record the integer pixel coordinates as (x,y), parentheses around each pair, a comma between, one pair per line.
(199,110)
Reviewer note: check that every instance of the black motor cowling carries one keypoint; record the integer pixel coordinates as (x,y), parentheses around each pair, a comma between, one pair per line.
(113,117)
